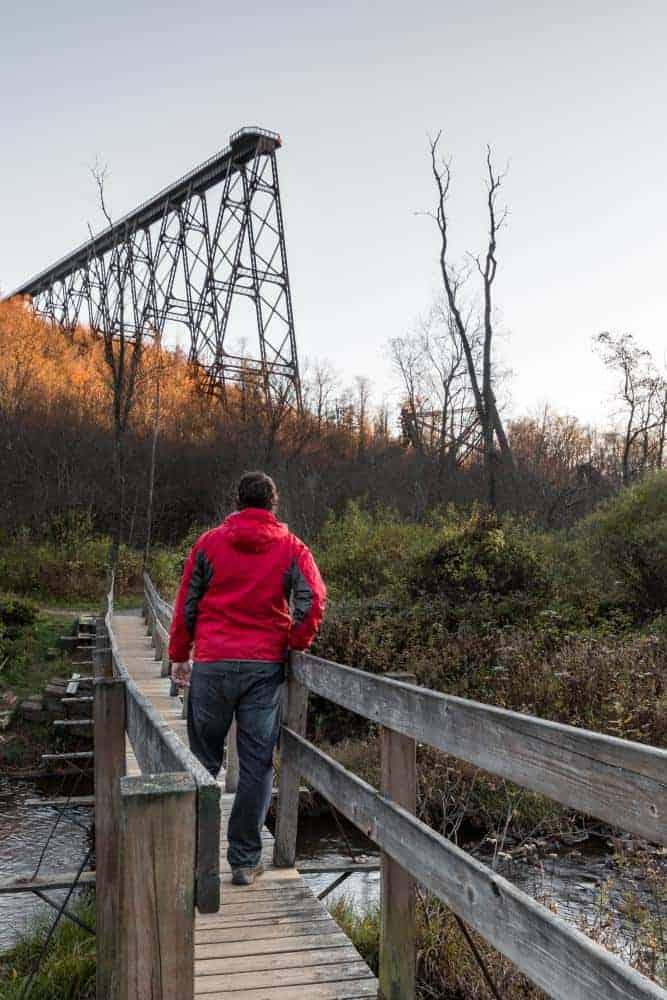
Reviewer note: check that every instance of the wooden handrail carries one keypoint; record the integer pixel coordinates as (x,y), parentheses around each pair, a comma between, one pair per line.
(621,782)
(616,780)
(554,954)
(159,614)
(158,751)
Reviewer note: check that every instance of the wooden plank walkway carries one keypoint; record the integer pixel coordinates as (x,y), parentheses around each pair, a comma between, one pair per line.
(271,941)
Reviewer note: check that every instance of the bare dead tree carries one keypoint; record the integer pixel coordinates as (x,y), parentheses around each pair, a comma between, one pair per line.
(319,387)
(438,415)
(153,459)
(457,426)
(122,353)
(662,427)
(642,392)
(363,395)
(408,362)
(482,382)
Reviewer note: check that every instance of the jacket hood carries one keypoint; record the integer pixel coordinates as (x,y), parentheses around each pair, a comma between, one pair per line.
(254,529)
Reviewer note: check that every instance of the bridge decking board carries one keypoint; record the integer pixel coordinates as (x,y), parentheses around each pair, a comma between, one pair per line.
(273,940)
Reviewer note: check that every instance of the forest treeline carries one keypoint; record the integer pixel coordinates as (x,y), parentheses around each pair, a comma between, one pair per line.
(56,413)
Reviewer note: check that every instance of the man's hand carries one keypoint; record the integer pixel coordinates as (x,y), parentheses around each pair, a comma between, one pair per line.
(180,674)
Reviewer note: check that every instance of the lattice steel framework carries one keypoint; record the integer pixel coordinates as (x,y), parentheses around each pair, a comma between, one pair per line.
(185,259)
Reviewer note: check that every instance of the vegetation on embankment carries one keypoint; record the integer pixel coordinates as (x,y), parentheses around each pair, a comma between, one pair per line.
(570,626)
(67,970)
(29,658)
(67,564)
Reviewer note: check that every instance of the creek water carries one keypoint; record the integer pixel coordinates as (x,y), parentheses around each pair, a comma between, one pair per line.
(570,882)
(24,831)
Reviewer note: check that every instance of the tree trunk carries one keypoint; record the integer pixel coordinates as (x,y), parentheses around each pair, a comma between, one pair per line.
(151,471)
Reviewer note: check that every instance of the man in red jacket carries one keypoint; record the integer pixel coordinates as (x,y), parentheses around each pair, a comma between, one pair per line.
(234,605)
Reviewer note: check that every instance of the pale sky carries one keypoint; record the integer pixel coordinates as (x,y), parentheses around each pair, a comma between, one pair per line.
(572,94)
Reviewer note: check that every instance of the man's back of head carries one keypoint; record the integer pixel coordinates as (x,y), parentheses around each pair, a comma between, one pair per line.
(256,489)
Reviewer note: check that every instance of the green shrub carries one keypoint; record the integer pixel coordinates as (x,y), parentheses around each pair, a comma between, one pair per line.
(70,562)
(166,565)
(478,555)
(629,537)
(362,554)
(15,614)
(480,573)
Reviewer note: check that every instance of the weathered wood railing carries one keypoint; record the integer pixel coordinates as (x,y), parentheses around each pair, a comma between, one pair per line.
(157,613)
(615,780)
(620,782)
(157,840)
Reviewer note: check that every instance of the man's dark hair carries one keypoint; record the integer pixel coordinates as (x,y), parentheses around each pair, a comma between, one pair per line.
(256,489)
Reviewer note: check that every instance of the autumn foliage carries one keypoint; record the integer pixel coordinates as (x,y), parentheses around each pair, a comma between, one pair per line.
(56,441)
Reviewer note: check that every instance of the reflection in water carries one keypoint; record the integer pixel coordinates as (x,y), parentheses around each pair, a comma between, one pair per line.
(320,840)
(23,833)
(570,883)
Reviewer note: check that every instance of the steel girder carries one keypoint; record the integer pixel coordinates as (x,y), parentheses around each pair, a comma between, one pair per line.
(183,261)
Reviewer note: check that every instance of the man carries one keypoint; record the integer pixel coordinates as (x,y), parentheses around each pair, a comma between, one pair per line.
(234,605)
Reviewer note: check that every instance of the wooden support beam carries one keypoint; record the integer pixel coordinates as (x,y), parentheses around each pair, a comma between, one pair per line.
(158,835)
(334,867)
(62,880)
(59,773)
(287,807)
(109,716)
(75,801)
(79,756)
(398,932)
(73,685)
(86,699)
(303,790)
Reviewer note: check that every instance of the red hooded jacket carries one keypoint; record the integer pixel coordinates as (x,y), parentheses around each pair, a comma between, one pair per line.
(235,593)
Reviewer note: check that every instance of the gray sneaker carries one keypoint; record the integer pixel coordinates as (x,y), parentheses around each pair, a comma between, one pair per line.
(246,876)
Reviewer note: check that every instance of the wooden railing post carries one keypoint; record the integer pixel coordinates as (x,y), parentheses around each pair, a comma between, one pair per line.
(158,841)
(158,644)
(102,659)
(287,809)
(109,729)
(232,769)
(165,669)
(398,922)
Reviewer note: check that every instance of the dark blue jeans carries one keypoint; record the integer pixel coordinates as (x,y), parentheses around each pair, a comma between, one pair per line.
(251,690)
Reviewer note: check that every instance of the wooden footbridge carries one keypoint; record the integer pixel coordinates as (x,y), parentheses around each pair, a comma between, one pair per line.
(170,924)
(273,940)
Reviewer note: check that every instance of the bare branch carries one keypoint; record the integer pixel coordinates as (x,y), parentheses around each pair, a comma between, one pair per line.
(100,173)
